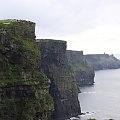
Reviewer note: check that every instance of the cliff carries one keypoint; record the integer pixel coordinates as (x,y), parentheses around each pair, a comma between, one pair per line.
(63,86)
(24,89)
(102,61)
(84,74)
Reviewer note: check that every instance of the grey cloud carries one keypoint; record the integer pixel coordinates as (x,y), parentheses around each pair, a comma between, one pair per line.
(58,16)
(63,17)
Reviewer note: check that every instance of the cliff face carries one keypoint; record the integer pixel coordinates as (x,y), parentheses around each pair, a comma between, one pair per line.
(84,74)
(63,86)
(24,90)
(102,61)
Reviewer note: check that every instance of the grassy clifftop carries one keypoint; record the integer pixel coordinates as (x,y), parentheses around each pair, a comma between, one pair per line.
(18,54)
(24,89)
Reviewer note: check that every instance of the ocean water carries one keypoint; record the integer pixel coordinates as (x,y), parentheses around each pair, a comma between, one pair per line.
(102,100)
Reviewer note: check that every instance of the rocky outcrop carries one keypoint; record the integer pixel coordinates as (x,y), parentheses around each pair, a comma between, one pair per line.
(102,61)
(63,86)
(84,74)
(24,89)
(84,78)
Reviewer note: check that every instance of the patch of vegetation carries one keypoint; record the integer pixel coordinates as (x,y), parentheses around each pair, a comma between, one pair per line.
(8,20)
(91,119)
(19,59)
(38,101)
(27,46)
(18,55)
(81,66)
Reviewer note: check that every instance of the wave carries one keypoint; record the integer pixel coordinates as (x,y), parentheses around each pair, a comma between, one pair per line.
(88,92)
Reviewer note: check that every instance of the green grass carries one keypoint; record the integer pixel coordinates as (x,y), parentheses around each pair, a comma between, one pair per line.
(23,71)
(30,57)
(8,21)
(27,45)
(91,119)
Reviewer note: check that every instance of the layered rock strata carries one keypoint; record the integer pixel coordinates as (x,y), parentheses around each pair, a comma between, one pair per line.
(84,74)
(63,86)
(24,89)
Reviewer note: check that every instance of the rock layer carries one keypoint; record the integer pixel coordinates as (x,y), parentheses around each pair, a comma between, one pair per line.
(63,86)
(24,90)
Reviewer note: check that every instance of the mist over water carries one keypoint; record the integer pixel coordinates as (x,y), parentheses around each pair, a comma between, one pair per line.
(102,100)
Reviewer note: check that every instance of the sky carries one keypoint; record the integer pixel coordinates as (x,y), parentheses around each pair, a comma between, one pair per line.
(89,25)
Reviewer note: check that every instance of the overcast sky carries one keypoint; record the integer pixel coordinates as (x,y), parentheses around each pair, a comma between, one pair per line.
(89,25)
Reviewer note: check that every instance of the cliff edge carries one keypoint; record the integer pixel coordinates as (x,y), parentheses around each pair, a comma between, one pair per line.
(24,89)
(102,61)
(63,86)
(84,74)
